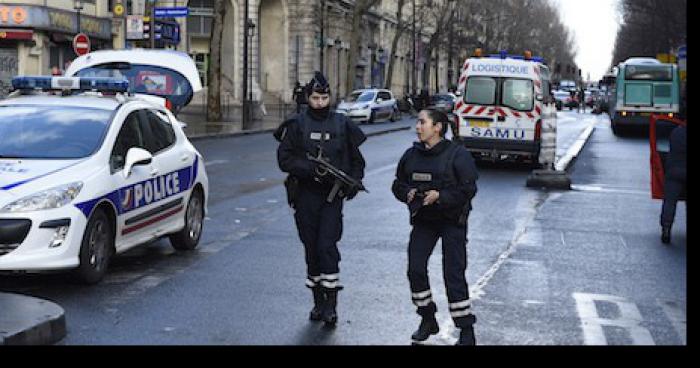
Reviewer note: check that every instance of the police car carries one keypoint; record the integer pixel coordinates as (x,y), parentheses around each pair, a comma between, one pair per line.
(370,105)
(500,112)
(89,170)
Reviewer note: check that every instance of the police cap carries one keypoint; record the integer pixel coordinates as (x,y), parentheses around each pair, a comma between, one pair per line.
(318,84)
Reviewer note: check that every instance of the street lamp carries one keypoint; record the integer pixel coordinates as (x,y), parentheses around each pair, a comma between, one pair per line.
(337,42)
(78,6)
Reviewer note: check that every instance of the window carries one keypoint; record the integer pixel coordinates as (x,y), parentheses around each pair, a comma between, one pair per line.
(649,72)
(481,91)
(163,135)
(517,94)
(129,136)
(386,96)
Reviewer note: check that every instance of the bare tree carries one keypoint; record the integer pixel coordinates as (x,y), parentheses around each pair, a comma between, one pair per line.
(401,26)
(360,9)
(214,72)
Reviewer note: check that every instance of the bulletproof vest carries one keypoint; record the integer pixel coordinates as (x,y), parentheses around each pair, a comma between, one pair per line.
(428,172)
(327,135)
(433,172)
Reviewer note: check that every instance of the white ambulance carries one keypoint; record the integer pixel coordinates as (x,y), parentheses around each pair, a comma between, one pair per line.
(499,114)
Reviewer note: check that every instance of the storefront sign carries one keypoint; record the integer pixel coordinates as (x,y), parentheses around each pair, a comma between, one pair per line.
(6,34)
(51,19)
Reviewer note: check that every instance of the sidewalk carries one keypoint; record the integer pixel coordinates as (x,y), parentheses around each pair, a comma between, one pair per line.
(26,320)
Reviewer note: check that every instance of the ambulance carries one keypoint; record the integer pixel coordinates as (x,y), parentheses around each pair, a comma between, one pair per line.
(499,114)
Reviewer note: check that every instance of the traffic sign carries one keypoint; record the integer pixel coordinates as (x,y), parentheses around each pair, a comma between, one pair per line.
(81,44)
(174,12)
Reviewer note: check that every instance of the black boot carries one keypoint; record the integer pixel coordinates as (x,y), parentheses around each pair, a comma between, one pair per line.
(319,301)
(666,234)
(428,326)
(330,317)
(466,336)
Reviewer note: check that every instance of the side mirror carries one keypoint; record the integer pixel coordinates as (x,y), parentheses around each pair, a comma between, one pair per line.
(379,99)
(135,157)
(539,97)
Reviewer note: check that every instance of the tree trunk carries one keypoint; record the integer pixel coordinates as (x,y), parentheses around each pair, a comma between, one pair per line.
(214,72)
(361,7)
(400,27)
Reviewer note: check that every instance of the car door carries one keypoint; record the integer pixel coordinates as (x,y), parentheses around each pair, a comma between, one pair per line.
(385,106)
(135,190)
(173,164)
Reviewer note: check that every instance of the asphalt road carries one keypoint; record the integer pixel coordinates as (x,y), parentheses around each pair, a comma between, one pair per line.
(540,263)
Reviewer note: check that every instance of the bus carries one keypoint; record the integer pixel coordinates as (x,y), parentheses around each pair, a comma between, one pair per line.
(643,86)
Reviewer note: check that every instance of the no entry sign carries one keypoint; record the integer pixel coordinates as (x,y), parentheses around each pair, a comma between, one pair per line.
(81,44)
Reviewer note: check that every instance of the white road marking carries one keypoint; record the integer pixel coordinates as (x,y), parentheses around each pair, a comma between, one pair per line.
(677,315)
(592,324)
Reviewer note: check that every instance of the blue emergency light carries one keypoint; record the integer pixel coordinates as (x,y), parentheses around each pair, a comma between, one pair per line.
(504,54)
(100,84)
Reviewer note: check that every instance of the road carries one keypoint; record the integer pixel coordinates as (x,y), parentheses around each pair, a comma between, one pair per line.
(544,267)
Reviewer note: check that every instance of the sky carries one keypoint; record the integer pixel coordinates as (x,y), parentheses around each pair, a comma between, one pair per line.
(593,24)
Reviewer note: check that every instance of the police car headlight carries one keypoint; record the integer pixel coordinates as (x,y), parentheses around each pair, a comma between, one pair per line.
(49,199)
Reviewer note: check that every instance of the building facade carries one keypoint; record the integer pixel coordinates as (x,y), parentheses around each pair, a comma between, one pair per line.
(290,39)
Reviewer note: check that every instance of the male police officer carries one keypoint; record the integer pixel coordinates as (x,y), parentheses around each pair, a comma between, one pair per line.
(319,132)
(437,179)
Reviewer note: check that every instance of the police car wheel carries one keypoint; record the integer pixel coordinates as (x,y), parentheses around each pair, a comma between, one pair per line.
(96,248)
(188,237)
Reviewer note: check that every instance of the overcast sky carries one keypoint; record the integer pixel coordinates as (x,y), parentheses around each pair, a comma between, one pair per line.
(593,23)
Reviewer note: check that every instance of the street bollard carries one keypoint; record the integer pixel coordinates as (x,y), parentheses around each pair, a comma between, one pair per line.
(548,177)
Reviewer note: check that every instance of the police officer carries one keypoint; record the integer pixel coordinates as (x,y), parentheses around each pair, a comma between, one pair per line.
(299,96)
(437,179)
(319,131)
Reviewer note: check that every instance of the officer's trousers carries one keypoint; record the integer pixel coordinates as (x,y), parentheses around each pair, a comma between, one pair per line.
(320,226)
(424,237)
(674,184)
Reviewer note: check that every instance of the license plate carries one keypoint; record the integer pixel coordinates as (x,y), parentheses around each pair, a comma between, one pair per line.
(479,123)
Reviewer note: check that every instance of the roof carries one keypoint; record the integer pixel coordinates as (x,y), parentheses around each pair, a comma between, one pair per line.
(99,102)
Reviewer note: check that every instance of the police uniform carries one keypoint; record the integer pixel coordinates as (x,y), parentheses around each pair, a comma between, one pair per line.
(319,222)
(448,168)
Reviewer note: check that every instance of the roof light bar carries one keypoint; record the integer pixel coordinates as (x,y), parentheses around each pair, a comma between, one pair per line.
(45,83)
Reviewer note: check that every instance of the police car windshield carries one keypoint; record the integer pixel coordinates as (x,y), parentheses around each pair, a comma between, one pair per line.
(51,132)
(147,79)
(361,97)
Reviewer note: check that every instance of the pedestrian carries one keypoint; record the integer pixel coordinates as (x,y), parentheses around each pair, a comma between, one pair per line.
(299,96)
(582,99)
(675,173)
(437,179)
(318,131)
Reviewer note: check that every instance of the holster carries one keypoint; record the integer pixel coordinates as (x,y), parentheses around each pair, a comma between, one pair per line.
(291,183)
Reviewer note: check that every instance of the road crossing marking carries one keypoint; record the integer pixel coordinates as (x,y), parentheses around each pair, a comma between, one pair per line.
(592,324)
(676,314)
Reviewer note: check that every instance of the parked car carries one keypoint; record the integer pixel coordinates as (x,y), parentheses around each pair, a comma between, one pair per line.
(370,105)
(560,98)
(442,102)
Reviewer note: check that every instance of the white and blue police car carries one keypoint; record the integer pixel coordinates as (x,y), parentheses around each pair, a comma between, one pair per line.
(370,105)
(89,170)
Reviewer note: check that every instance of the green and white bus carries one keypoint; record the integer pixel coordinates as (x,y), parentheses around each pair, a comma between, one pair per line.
(643,86)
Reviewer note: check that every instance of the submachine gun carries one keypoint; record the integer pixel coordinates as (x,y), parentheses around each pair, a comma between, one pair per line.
(341,179)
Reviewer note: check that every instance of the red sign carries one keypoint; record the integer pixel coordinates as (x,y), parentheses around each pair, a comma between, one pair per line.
(81,44)
(15,35)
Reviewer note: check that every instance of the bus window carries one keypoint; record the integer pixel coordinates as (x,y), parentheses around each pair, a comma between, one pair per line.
(638,94)
(649,72)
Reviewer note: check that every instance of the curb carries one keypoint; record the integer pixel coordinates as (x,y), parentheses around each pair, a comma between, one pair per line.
(559,177)
(44,321)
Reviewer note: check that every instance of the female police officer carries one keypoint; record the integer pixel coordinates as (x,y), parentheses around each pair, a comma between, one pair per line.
(319,132)
(437,179)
